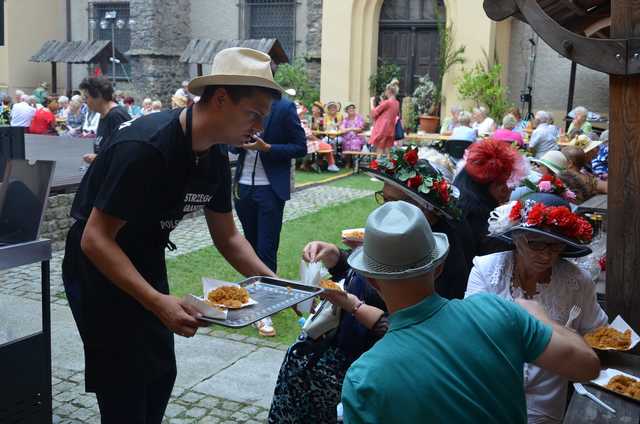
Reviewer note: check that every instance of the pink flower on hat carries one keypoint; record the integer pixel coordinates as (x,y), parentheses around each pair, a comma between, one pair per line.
(569,195)
(545,186)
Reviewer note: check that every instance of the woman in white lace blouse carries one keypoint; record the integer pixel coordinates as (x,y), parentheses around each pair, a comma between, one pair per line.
(543,230)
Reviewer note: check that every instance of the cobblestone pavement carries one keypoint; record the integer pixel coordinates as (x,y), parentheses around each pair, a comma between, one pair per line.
(203,393)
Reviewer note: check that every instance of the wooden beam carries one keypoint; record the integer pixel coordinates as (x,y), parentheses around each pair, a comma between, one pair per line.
(592,53)
(54,78)
(623,242)
(199,66)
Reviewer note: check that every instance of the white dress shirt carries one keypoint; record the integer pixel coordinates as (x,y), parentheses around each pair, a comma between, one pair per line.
(22,114)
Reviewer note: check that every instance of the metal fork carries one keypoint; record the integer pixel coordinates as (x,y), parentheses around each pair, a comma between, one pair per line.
(574,313)
(584,392)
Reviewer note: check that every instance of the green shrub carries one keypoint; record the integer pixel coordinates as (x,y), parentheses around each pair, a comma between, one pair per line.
(294,75)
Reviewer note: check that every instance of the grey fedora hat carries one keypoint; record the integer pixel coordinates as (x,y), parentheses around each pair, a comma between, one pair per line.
(398,244)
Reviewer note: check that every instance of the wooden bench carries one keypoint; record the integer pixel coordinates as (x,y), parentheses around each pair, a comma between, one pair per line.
(357,157)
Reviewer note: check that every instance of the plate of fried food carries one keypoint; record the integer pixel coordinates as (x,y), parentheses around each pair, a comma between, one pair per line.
(619,382)
(616,336)
(226,295)
(330,285)
(353,234)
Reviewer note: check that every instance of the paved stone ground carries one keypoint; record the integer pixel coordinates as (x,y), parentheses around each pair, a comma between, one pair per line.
(222,377)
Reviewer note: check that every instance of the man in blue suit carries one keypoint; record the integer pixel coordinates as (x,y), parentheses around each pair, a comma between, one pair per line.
(263,184)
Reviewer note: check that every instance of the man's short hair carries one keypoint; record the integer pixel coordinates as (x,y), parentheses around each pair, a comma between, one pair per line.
(238,92)
(98,87)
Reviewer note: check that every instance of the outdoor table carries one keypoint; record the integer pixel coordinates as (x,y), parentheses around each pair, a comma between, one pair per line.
(583,410)
(357,157)
(597,203)
(427,138)
(25,363)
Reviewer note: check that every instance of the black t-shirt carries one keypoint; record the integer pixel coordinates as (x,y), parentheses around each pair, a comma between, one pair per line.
(108,125)
(147,176)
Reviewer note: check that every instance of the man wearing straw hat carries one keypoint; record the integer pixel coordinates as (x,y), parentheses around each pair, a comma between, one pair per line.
(457,361)
(153,171)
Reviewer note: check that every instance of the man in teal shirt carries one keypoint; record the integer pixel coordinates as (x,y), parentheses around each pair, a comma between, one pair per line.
(441,361)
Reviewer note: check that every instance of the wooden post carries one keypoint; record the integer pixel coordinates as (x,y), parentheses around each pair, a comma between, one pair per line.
(54,78)
(199,69)
(623,243)
(572,89)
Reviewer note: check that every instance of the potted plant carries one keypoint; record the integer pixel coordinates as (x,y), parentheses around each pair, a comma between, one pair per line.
(424,103)
(482,85)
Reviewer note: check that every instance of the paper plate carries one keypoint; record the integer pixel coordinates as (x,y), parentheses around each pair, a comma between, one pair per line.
(606,375)
(621,325)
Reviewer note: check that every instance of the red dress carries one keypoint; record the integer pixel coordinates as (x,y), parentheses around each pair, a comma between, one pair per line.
(42,122)
(384,127)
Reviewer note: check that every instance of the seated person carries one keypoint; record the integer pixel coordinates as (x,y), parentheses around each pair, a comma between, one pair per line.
(583,183)
(304,378)
(332,122)
(451,122)
(75,117)
(317,116)
(600,164)
(507,132)
(315,145)
(536,269)
(464,131)
(482,123)
(580,125)
(44,120)
(446,361)
(551,163)
(545,137)
(522,124)
(351,128)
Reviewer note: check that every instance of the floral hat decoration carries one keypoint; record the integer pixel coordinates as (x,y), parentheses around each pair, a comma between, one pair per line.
(418,178)
(550,184)
(547,214)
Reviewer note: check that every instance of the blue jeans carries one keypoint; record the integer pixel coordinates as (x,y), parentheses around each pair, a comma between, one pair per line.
(260,212)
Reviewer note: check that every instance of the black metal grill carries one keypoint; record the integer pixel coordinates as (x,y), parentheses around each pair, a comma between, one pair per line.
(272,19)
(122,38)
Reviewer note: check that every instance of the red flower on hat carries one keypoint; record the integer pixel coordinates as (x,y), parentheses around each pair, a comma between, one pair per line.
(560,216)
(536,215)
(547,178)
(514,215)
(373,164)
(415,181)
(443,191)
(411,156)
(583,230)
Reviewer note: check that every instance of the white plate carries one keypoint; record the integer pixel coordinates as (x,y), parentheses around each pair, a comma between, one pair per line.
(210,284)
(621,325)
(606,375)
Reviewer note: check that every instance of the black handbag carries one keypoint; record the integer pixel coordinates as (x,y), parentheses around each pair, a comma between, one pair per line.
(399,134)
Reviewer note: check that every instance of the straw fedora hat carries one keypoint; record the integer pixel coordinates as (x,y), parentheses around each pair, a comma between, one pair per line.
(554,160)
(398,244)
(585,143)
(237,66)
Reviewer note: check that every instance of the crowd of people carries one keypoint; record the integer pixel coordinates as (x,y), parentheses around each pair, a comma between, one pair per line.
(467,256)
(42,113)
(455,305)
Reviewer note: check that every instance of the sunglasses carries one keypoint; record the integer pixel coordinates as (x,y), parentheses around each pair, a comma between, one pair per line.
(541,246)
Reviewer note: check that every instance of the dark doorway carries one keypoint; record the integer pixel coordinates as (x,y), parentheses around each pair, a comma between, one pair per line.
(409,38)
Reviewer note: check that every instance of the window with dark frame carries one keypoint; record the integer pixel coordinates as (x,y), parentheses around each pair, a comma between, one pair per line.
(97,11)
(272,19)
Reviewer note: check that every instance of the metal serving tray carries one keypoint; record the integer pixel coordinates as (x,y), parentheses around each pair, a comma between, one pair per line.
(273,295)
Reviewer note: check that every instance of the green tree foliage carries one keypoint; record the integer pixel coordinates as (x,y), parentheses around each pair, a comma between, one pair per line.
(482,85)
(294,75)
(378,81)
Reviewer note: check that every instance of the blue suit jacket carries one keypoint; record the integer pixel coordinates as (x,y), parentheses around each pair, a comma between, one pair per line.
(282,130)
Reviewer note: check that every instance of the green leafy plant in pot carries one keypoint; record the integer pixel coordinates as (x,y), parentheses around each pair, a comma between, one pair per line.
(424,102)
